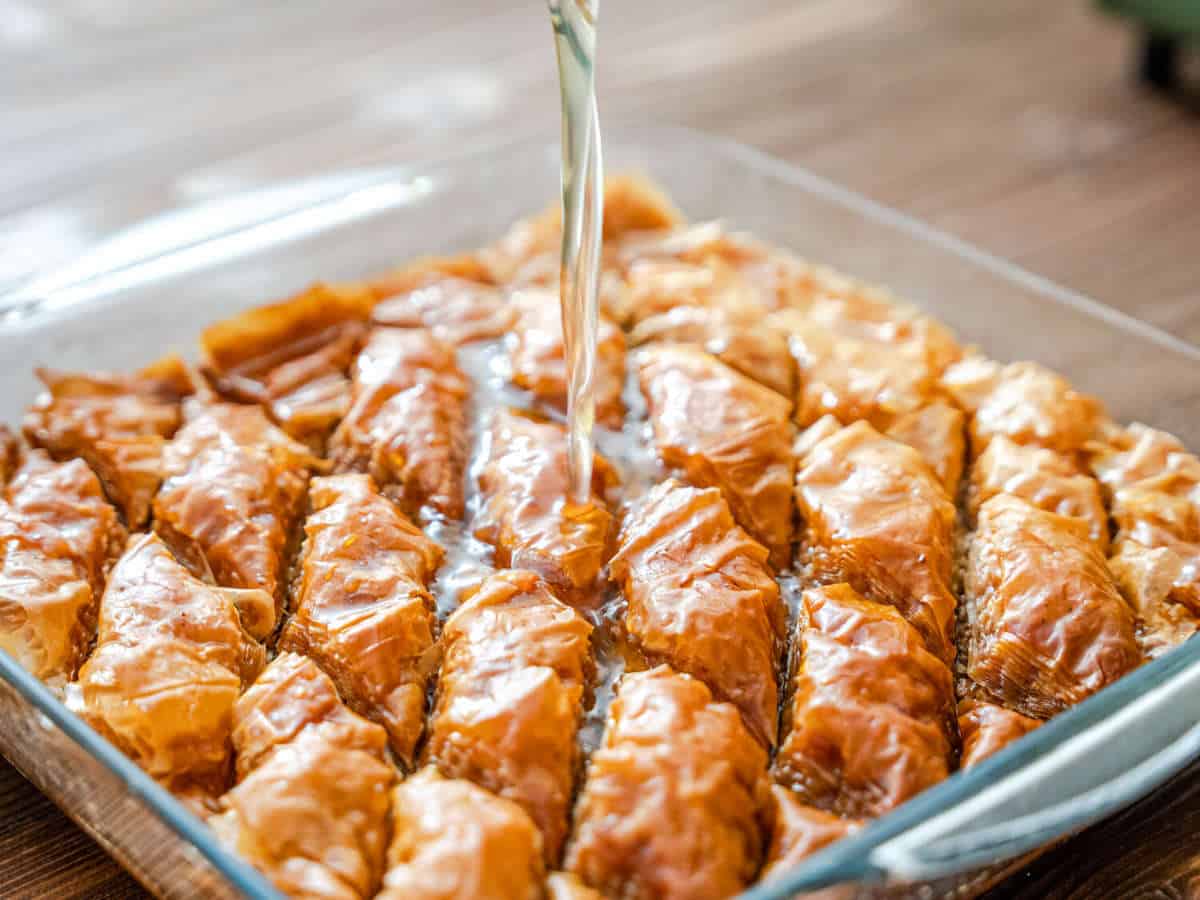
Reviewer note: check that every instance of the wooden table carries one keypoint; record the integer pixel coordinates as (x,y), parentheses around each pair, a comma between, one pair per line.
(1011,124)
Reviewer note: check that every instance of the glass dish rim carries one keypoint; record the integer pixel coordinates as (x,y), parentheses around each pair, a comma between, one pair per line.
(29,299)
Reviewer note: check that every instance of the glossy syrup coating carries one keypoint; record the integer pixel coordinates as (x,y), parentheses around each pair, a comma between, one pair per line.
(676,801)
(724,430)
(1048,626)
(525,512)
(739,336)
(986,728)
(452,839)
(310,809)
(231,499)
(118,424)
(511,696)
(292,357)
(798,831)
(171,658)
(937,431)
(878,518)
(700,597)
(58,538)
(1025,402)
(537,356)
(407,423)
(868,720)
(1153,484)
(362,607)
(1044,478)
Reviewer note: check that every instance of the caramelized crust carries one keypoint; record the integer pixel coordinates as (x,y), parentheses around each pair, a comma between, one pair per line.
(1025,402)
(363,610)
(868,721)
(455,298)
(676,799)
(1153,485)
(407,425)
(737,336)
(876,516)
(1043,478)
(510,697)
(118,424)
(58,537)
(525,511)
(986,728)
(724,430)
(10,454)
(1048,627)
(800,831)
(310,808)
(292,357)
(537,357)
(232,496)
(452,839)
(171,657)
(701,598)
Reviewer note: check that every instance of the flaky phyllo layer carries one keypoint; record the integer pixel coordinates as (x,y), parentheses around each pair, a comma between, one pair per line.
(328,586)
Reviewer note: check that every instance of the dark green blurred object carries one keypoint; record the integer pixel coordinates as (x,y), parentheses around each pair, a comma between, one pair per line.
(1170,28)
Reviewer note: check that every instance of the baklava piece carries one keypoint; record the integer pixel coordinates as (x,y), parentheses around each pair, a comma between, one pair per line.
(700,597)
(455,298)
(310,809)
(1023,401)
(171,658)
(526,514)
(986,728)
(869,719)
(232,497)
(58,538)
(799,831)
(10,454)
(937,431)
(118,424)
(452,839)
(1153,484)
(1041,477)
(363,610)
(537,357)
(877,517)
(676,802)
(721,429)
(1048,627)
(407,423)
(292,357)
(517,669)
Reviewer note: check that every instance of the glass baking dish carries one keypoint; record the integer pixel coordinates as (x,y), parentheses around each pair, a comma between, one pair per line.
(154,288)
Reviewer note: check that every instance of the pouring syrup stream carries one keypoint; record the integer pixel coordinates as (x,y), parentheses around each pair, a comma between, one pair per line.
(574,24)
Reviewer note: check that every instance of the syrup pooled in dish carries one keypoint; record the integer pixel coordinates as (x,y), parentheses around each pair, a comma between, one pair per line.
(364,626)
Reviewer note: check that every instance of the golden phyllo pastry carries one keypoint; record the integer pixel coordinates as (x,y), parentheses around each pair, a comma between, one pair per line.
(868,720)
(407,424)
(58,537)
(798,831)
(292,357)
(986,728)
(537,356)
(362,606)
(700,596)
(452,839)
(516,673)
(171,658)
(676,801)
(231,501)
(310,808)
(723,430)
(527,515)
(876,516)
(1048,627)
(118,424)
(10,454)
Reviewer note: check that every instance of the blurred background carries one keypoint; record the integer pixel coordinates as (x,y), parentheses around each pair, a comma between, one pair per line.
(1019,125)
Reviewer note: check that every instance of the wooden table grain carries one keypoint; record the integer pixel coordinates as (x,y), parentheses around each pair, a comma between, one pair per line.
(1014,125)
